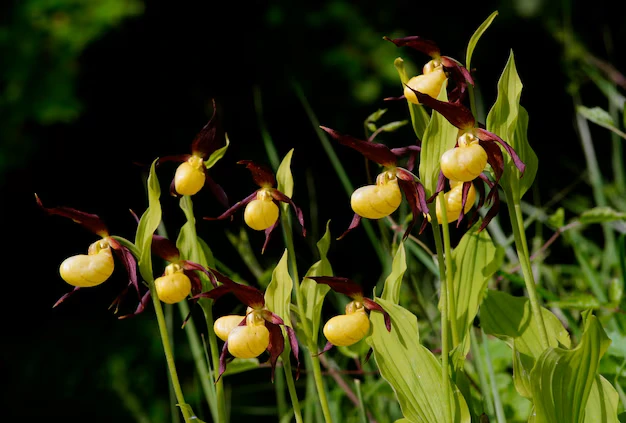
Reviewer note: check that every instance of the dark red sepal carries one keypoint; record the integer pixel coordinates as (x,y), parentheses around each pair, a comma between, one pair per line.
(175,158)
(89,221)
(207,140)
(190,265)
(64,297)
(466,187)
(485,135)
(261,174)
(234,208)
(223,358)
(374,306)
(165,248)
(402,97)
(216,189)
(342,285)
(368,355)
(268,233)
(415,195)
(327,347)
(356,219)
(374,151)
(295,349)
(412,151)
(461,72)
(140,307)
(128,260)
(418,43)
(248,295)
(456,113)
(279,196)
(494,158)
(441,180)
(276,345)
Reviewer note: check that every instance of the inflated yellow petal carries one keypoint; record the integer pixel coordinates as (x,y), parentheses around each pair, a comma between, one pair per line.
(173,288)
(347,329)
(88,270)
(261,214)
(429,83)
(225,324)
(248,341)
(376,201)
(190,177)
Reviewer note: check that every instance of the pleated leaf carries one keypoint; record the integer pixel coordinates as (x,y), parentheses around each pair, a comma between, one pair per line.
(476,36)
(562,379)
(149,223)
(602,403)
(393,283)
(278,292)
(412,370)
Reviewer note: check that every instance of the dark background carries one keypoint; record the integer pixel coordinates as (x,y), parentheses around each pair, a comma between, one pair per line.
(142,89)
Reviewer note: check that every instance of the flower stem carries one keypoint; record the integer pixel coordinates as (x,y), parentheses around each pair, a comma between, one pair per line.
(519,234)
(449,275)
(291,386)
(169,356)
(445,335)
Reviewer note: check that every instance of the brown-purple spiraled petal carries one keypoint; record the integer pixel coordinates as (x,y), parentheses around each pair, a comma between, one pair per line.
(465,192)
(456,113)
(412,151)
(402,97)
(441,179)
(494,158)
(481,200)
(356,219)
(216,189)
(342,285)
(190,265)
(272,317)
(165,248)
(196,283)
(411,197)
(248,295)
(494,208)
(223,357)
(90,221)
(485,135)
(327,347)
(261,174)
(374,151)
(64,297)
(175,158)
(295,349)
(460,71)
(374,306)
(234,208)
(418,43)
(140,307)
(279,196)
(268,233)
(368,355)
(129,261)
(276,345)
(209,137)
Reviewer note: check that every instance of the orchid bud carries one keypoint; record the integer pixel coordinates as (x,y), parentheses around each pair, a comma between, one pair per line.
(429,82)
(377,201)
(174,286)
(465,162)
(454,200)
(261,213)
(225,324)
(190,177)
(347,329)
(251,340)
(91,269)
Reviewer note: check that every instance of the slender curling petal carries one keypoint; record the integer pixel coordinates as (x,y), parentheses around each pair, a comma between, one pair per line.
(261,174)
(89,221)
(268,233)
(248,295)
(375,152)
(173,158)
(234,208)
(209,137)
(216,189)
(128,260)
(418,43)
(485,135)
(342,285)
(140,307)
(456,113)
(279,196)
(65,296)
(374,306)
(276,345)
(356,219)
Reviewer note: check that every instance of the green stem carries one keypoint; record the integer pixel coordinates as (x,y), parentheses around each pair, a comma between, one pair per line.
(291,386)
(500,417)
(319,384)
(482,376)
(445,335)
(517,223)
(362,414)
(449,275)
(279,384)
(169,321)
(169,356)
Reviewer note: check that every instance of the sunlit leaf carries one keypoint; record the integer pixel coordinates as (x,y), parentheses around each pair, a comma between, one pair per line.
(474,261)
(393,283)
(602,403)
(278,292)
(419,116)
(189,410)
(393,126)
(601,215)
(313,293)
(284,176)
(509,121)
(411,369)
(562,379)
(440,136)
(476,36)
(577,301)
(510,319)
(600,117)
(375,116)
(217,155)
(149,223)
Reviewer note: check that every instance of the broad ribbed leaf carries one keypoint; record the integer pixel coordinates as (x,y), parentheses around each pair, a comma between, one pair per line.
(393,283)
(600,117)
(510,319)
(476,36)
(217,155)
(413,371)
(440,136)
(602,403)
(562,379)
(601,215)
(509,121)
(278,292)
(419,116)
(149,223)
(474,261)
(313,293)
(284,176)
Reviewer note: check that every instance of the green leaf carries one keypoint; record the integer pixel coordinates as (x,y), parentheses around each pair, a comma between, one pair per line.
(278,292)
(557,219)
(313,293)
(412,370)
(562,379)
(284,176)
(419,116)
(217,155)
(393,283)
(509,121)
(577,301)
(240,365)
(476,36)
(440,136)
(149,223)
(602,403)
(375,116)
(393,126)
(510,319)
(189,410)
(474,261)
(601,215)
(600,117)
